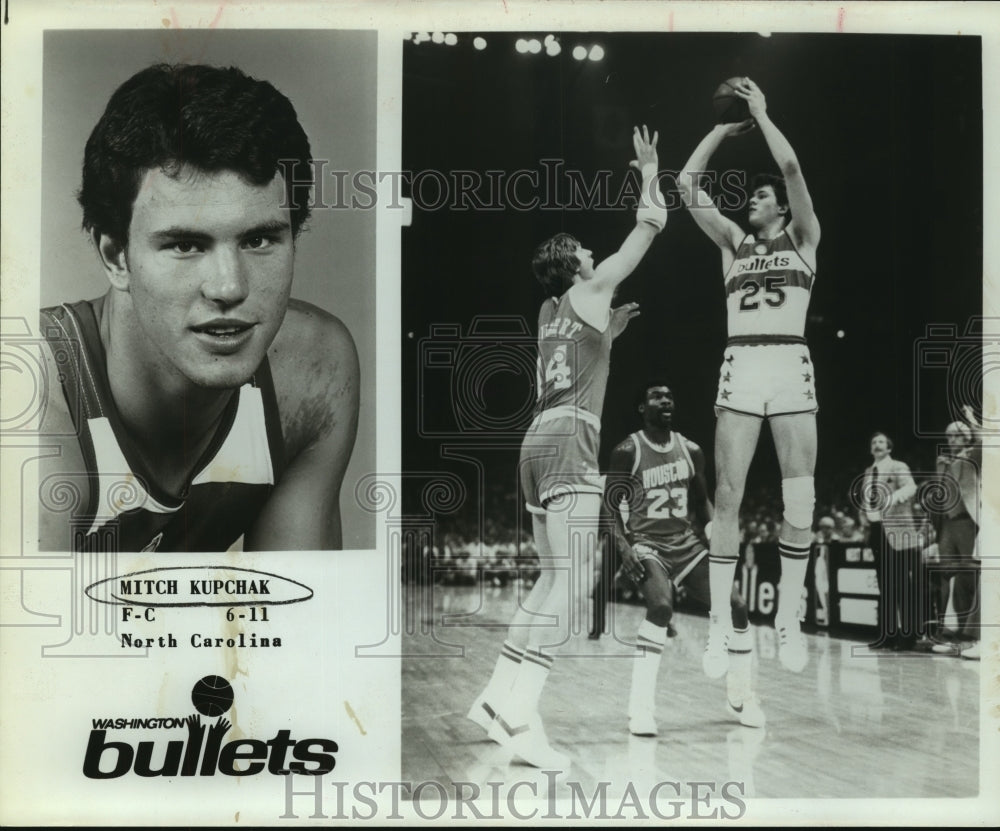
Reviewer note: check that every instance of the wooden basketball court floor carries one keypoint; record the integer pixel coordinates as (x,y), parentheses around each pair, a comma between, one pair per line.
(853,724)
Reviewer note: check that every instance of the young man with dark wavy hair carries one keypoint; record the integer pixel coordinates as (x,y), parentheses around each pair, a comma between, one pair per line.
(198,403)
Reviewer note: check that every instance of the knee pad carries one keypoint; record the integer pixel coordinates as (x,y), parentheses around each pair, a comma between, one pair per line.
(799,496)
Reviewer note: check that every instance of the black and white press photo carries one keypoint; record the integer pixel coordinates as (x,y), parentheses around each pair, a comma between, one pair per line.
(660,292)
(509,413)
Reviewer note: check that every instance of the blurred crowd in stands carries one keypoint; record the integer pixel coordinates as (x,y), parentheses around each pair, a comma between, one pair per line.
(504,552)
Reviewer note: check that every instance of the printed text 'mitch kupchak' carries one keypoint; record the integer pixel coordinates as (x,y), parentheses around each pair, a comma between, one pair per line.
(242,587)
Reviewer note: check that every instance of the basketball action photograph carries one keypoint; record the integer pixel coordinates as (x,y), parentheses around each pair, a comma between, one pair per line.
(694,435)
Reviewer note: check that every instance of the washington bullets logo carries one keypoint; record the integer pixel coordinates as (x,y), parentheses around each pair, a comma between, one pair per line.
(202,752)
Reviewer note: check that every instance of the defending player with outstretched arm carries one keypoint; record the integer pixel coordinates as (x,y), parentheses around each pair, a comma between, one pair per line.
(767,371)
(558,465)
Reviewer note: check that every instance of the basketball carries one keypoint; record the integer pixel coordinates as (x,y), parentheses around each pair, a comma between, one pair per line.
(729,107)
(212,695)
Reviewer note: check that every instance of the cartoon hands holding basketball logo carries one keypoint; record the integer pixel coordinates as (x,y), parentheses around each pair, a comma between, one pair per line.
(219,728)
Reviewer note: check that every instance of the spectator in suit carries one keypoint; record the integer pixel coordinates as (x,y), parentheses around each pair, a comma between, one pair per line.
(896,540)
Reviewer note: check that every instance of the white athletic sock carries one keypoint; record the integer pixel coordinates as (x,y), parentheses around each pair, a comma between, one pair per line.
(721,571)
(504,674)
(527,689)
(739,685)
(649,649)
(794,562)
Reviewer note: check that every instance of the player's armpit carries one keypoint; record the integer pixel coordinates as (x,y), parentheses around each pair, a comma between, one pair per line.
(804,226)
(317,379)
(722,231)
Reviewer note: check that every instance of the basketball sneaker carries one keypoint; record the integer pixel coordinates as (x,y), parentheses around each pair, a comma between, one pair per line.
(529,743)
(642,724)
(792,650)
(715,661)
(481,712)
(748,712)
(971,652)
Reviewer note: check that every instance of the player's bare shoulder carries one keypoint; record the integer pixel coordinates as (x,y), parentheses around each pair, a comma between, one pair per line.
(692,447)
(695,452)
(623,455)
(314,363)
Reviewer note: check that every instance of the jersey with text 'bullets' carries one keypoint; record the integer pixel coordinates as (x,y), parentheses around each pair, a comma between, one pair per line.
(768,288)
(126,510)
(573,358)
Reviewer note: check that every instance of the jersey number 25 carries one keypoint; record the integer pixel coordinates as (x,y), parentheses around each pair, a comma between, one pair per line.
(774,294)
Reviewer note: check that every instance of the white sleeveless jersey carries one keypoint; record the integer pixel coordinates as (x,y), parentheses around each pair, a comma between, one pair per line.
(768,288)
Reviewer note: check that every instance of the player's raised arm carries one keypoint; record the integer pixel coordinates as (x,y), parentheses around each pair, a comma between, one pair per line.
(651,217)
(804,226)
(722,231)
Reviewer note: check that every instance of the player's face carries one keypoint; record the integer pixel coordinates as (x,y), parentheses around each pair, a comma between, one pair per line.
(658,408)
(586,259)
(209,265)
(764,208)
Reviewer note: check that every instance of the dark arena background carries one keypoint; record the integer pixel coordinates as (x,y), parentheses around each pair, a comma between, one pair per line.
(888,132)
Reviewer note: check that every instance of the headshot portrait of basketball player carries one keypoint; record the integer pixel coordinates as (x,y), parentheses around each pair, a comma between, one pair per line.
(197,401)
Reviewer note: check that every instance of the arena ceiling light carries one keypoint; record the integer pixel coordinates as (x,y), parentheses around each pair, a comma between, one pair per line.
(521,45)
(479,43)
(579,52)
(596,52)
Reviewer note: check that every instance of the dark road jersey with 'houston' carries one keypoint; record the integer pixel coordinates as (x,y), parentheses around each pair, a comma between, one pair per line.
(658,513)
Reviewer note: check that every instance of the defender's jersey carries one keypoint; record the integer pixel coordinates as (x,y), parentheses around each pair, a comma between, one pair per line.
(126,510)
(659,514)
(573,359)
(768,288)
